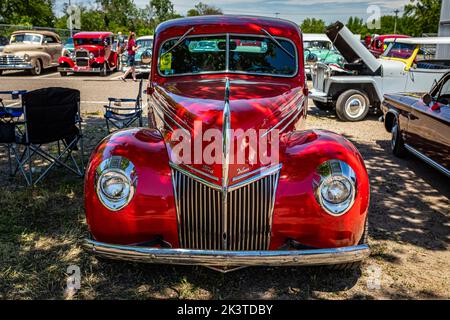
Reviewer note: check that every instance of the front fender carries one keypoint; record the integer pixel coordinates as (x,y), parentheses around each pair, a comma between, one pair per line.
(151,213)
(297,214)
(99,60)
(66,61)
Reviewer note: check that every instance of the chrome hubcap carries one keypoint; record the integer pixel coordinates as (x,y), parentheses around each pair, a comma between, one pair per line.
(355,106)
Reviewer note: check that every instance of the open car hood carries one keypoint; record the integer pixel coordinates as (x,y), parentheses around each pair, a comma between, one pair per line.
(350,48)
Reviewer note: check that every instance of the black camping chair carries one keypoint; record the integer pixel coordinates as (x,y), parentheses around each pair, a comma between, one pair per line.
(10,123)
(119,116)
(52,115)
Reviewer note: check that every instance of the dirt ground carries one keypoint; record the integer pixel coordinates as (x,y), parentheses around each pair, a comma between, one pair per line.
(41,231)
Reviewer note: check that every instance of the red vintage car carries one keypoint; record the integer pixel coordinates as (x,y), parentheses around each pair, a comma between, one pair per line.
(194,190)
(380,43)
(94,52)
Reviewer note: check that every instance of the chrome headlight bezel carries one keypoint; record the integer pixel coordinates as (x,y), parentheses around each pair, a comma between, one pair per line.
(91,56)
(26,57)
(120,168)
(331,171)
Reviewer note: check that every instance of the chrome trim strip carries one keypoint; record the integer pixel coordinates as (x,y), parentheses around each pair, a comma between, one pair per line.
(193,176)
(159,112)
(229,258)
(431,162)
(269,171)
(226,127)
(252,172)
(297,109)
(201,172)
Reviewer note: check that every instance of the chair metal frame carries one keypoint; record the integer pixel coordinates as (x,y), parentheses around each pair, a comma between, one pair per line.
(119,117)
(32,150)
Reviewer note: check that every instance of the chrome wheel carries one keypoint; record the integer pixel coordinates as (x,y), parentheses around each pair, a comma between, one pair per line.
(355,106)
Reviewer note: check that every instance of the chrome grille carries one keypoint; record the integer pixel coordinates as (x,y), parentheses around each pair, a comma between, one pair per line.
(82,54)
(319,77)
(9,59)
(82,62)
(204,224)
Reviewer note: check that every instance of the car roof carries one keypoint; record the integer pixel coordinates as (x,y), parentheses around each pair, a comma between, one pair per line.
(92,34)
(230,23)
(390,36)
(315,37)
(428,40)
(41,32)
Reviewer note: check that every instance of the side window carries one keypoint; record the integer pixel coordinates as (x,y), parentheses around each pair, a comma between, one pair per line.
(49,40)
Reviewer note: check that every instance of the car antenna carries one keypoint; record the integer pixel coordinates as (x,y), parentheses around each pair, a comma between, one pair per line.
(179,40)
(277,43)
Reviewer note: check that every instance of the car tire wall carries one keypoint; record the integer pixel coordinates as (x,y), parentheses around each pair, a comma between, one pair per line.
(397,143)
(104,70)
(352,105)
(323,105)
(37,69)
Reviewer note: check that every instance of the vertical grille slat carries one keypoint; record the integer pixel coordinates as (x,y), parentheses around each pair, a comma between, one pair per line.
(246,220)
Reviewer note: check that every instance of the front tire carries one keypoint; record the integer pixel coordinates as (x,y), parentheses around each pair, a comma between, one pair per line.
(397,142)
(324,106)
(352,105)
(104,70)
(1,72)
(357,264)
(37,69)
(63,73)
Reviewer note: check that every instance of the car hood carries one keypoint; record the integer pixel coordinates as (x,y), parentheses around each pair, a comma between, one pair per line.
(258,105)
(21,47)
(350,48)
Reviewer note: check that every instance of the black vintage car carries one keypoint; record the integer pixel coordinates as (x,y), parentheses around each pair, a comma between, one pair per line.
(420,124)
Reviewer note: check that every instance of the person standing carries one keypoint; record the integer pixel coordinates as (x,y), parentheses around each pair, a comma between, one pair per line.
(131,48)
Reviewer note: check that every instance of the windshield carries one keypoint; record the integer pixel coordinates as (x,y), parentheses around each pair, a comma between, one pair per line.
(26,38)
(88,41)
(317,45)
(399,50)
(247,54)
(148,43)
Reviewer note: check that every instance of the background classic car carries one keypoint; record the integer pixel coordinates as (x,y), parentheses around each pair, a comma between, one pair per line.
(228,72)
(380,43)
(32,50)
(322,50)
(146,45)
(420,124)
(408,65)
(94,52)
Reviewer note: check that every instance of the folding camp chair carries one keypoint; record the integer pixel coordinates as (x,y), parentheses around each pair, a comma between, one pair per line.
(9,125)
(51,115)
(120,116)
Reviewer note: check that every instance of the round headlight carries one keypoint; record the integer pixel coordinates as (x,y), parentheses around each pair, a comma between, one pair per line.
(116,182)
(335,189)
(26,57)
(91,56)
(72,55)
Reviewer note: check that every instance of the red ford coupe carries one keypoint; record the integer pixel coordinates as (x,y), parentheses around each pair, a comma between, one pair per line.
(225,176)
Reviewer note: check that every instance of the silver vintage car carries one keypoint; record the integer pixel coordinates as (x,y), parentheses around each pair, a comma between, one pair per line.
(32,50)
(408,65)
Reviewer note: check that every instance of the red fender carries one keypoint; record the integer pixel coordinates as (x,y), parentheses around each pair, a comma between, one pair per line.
(297,214)
(151,212)
(66,60)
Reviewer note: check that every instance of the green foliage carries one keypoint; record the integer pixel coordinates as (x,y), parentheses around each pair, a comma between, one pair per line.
(425,15)
(313,25)
(30,12)
(202,9)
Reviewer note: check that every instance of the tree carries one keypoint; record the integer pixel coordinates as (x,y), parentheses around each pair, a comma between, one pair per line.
(425,15)
(313,25)
(202,9)
(31,12)
(357,26)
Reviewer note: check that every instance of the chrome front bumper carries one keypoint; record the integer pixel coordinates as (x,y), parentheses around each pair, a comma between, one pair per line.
(318,95)
(78,69)
(15,66)
(219,259)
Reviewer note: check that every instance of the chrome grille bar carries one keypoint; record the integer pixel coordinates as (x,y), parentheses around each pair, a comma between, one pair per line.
(205,223)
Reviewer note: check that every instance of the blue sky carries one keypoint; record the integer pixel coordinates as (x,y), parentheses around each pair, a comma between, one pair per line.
(295,10)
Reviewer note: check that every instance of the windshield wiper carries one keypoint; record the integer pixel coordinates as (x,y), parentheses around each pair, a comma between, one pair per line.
(179,40)
(277,43)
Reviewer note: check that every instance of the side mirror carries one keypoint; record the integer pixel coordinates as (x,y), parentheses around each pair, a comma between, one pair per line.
(146,57)
(427,99)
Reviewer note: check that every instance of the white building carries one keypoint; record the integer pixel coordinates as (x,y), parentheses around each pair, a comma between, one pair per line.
(443,51)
